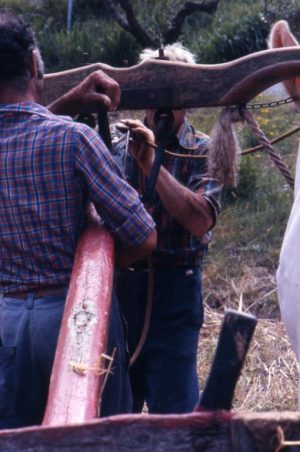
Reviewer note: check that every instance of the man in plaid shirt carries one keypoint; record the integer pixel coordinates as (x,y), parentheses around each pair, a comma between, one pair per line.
(50,169)
(184,207)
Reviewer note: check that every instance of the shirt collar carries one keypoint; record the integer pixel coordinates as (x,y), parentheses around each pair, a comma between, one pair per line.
(186,136)
(28,107)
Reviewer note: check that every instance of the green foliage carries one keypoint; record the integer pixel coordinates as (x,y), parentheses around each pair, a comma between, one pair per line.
(251,226)
(247,178)
(85,10)
(233,38)
(88,42)
(288,10)
(119,48)
(20,6)
(234,30)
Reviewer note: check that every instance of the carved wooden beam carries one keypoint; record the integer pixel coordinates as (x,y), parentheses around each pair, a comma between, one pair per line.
(205,432)
(167,84)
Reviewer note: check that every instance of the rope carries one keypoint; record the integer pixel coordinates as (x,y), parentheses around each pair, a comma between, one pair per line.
(185,156)
(245,152)
(275,140)
(149,301)
(145,329)
(265,142)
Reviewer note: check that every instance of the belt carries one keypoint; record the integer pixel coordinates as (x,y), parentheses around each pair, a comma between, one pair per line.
(38,293)
(143,265)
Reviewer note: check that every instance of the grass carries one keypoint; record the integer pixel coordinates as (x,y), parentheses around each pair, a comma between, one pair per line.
(239,271)
(269,379)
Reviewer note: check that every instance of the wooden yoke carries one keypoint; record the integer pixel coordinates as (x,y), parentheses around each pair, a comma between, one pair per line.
(167,84)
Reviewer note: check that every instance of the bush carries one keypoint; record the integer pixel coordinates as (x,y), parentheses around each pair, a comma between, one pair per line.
(20,6)
(214,38)
(88,42)
(288,10)
(247,178)
(233,39)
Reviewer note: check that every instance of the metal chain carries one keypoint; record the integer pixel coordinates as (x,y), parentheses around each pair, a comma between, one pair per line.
(272,104)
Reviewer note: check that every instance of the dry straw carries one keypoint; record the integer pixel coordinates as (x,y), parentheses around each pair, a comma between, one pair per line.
(269,379)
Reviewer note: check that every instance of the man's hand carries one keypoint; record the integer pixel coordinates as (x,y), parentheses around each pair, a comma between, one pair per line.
(97,89)
(142,143)
(189,208)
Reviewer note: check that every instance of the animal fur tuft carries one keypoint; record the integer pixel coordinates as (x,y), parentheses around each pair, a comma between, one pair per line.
(224,148)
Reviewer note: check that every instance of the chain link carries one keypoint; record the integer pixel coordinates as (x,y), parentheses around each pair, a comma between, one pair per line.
(272,104)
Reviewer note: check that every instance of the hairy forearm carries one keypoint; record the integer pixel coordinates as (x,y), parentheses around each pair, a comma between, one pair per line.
(64,106)
(96,91)
(189,208)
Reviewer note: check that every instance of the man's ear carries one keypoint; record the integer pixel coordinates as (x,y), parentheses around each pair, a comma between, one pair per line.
(281,36)
(33,64)
(36,73)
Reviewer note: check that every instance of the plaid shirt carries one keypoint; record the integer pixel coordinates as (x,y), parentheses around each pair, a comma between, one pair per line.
(176,246)
(50,167)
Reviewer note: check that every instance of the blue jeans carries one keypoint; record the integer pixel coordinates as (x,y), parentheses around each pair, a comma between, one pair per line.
(28,336)
(165,373)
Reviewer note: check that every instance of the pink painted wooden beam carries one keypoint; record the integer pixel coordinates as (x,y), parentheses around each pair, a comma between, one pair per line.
(75,382)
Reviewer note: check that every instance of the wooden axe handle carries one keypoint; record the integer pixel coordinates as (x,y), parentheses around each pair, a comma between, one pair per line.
(234,340)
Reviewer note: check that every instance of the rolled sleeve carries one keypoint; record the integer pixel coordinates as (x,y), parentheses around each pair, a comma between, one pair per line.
(199,181)
(212,195)
(136,228)
(115,200)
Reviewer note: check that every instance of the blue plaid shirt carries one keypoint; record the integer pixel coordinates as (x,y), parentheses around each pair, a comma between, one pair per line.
(50,167)
(176,246)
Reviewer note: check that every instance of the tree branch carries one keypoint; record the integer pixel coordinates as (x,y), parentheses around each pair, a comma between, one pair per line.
(174,31)
(136,29)
(113,10)
(130,23)
(132,26)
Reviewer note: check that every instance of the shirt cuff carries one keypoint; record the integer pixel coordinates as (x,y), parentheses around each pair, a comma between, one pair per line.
(136,228)
(215,209)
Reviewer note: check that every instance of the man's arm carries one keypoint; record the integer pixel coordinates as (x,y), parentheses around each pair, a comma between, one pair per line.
(100,90)
(97,89)
(131,255)
(189,208)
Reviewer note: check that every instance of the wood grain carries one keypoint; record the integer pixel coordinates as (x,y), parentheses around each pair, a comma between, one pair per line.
(159,84)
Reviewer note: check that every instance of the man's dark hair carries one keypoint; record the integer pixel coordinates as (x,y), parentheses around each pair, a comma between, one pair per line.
(17,40)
